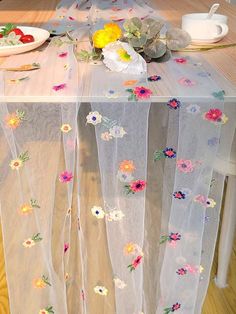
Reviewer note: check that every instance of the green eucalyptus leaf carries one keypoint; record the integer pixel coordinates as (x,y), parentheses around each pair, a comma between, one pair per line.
(137,42)
(177,39)
(155,50)
(137,22)
(164,58)
(151,27)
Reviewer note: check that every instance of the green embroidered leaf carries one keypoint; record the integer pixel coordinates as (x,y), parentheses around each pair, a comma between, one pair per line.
(24,156)
(158,155)
(219,95)
(34,203)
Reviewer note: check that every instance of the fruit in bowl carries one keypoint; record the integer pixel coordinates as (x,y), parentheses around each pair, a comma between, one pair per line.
(11,35)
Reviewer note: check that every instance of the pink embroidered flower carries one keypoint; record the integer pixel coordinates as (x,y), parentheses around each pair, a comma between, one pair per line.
(186,82)
(174,103)
(175,307)
(63,54)
(180,60)
(66,247)
(181,271)
(138,185)
(191,269)
(142,92)
(56,88)
(185,166)
(65,177)
(213,115)
(71,18)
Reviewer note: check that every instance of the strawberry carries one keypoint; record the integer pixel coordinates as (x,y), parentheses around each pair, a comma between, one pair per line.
(17,31)
(25,39)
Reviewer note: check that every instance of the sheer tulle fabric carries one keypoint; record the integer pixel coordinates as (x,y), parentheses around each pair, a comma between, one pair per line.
(110,207)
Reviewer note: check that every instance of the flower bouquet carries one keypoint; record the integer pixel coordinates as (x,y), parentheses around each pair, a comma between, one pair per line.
(130,48)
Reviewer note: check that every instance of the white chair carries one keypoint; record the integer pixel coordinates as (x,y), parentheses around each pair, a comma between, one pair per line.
(229,217)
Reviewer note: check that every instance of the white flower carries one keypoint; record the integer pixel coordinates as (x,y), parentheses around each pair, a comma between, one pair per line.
(101,290)
(106,136)
(117,131)
(210,203)
(193,109)
(124,176)
(66,128)
(28,243)
(112,94)
(121,57)
(94,118)
(120,284)
(98,212)
(115,215)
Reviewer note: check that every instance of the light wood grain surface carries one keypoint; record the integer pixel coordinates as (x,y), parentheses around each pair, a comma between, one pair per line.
(218,301)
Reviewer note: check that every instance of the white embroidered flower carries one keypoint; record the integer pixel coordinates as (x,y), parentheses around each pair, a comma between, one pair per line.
(106,136)
(120,284)
(117,131)
(112,94)
(193,109)
(201,269)
(210,203)
(66,128)
(121,57)
(28,243)
(94,118)
(124,176)
(16,164)
(115,215)
(101,290)
(98,212)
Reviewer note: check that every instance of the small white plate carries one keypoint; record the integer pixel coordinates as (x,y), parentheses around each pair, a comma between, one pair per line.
(204,41)
(40,36)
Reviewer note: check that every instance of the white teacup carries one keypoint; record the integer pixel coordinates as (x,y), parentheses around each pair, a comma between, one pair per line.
(203,30)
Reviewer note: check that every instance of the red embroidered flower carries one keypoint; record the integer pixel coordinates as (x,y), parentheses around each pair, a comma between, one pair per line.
(174,236)
(56,88)
(175,307)
(142,92)
(66,247)
(180,60)
(137,261)
(138,185)
(179,195)
(214,115)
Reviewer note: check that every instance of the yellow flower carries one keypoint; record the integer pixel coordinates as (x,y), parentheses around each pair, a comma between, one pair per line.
(13,121)
(101,290)
(129,248)
(123,54)
(114,28)
(39,283)
(15,164)
(127,166)
(26,209)
(66,128)
(109,34)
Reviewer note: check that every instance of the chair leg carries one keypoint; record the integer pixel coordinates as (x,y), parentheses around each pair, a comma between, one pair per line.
(227,233)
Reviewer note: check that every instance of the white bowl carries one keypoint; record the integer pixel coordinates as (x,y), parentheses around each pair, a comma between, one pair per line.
(40,36)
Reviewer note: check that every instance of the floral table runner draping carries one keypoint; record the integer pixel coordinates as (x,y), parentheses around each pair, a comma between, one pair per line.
(110,206)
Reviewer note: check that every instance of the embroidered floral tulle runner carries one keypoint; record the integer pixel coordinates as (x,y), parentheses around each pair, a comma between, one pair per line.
(110,206)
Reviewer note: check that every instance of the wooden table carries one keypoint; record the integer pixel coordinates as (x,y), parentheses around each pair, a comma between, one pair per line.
(224,61)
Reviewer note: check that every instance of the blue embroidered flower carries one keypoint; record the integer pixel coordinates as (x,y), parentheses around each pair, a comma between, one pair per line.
(179,195)
(174,103)
(154,78)
(213,141)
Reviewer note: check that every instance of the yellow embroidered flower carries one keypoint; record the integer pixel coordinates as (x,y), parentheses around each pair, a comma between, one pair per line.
(109,34)
(39,283)
(16,164)
(66,128)
(26,209)
(129,248)
(13,121)
(123,54)
(114,28)
(29,243)
(201,269)
(127,166)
